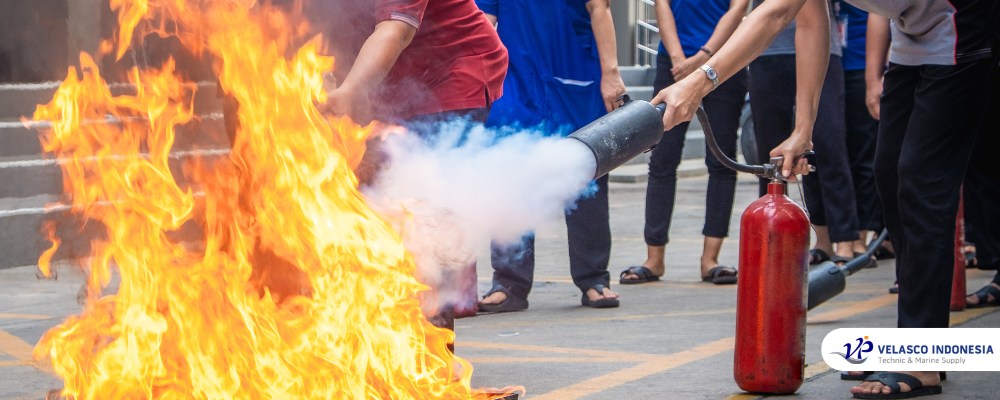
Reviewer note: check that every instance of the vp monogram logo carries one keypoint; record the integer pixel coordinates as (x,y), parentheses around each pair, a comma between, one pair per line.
(856,355)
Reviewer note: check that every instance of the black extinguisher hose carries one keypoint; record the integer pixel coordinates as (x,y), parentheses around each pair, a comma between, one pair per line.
(713,146)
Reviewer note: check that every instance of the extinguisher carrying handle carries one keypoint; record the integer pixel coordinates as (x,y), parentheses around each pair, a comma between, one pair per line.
(771,170)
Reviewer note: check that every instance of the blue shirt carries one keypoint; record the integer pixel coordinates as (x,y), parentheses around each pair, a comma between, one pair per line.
(857,26)
(695,21)
(554,73)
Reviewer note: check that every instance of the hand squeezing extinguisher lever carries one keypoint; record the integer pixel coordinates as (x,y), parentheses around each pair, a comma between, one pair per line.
(771,171)
(769,354)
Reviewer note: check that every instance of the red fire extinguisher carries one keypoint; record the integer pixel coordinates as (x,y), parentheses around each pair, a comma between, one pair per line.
(771,296)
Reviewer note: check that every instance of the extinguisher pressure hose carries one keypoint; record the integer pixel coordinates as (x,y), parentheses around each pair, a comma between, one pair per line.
(713,146)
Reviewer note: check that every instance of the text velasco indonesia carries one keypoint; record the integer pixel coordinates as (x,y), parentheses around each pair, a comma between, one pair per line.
(936,349)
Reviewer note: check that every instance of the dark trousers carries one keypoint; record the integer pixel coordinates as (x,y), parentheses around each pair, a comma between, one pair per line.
(862,131)
(982,185)
(723,106)
(589,235)
(829,191)
(930,120)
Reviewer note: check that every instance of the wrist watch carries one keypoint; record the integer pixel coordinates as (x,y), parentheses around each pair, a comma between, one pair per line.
(711,75)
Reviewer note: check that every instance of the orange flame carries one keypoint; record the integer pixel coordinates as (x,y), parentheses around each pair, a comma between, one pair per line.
(295,288)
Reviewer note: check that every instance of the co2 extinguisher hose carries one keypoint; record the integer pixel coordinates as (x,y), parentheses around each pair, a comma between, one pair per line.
(859,262)
(713,146)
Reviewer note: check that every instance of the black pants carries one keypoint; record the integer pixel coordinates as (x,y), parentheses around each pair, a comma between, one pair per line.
(930,119)
(589,234)
(723,106)
(862,131)
(829,191)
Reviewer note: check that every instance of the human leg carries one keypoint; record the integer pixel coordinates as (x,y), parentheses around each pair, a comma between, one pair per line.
(513,274)
(835,194)
(936,143)
(589,235)
(661,190)
(772,99)
(723,107)
(862,131)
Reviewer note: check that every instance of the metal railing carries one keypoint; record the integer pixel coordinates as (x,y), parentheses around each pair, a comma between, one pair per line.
(647,34)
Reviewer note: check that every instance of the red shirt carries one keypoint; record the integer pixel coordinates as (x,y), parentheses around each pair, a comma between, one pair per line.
(455,61)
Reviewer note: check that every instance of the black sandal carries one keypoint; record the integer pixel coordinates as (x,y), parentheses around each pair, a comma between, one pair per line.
(511,303)
(983,295)
(643,275)
(599,303)
(892,380)
(817,256)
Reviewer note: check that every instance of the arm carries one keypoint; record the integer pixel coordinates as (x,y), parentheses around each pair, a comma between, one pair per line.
(377,56)
(668,33)
(747,42)
(812,55)
(876,54)
(612,86)
(723,30)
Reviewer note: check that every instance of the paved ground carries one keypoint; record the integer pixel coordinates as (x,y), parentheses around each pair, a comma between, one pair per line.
(669,340)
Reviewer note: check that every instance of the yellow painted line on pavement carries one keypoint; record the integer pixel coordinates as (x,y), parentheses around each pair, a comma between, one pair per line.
(519,360)
(852,309)
(634,373)
(558,350)
(25,316)
(961,317)
(550,322)
(20,350)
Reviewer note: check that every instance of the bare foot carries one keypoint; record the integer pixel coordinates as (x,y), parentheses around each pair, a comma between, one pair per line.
(927,378)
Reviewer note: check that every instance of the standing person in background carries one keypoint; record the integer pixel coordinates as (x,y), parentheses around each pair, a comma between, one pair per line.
(938,91)
(689,31)
(862,127)
(829,193)
(563,74)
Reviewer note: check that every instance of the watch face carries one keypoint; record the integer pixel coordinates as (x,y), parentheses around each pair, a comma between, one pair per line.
(712,74)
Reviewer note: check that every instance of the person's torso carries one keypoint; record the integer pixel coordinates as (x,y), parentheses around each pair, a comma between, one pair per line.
(854,45)
(696,21)
(938,32)
(452,56)
(554,73)
(784,43)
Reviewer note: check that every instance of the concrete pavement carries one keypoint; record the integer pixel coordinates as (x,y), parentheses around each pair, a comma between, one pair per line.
(671,339)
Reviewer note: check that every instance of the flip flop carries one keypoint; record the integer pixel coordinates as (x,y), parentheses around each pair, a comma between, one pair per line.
(600,303)
(817,256)
(721,275)
(644,275)
(848,376)
(511,303)
(983,295)
(892,380)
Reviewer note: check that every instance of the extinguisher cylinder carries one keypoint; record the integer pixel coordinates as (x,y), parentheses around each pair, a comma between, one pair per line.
(771,303)
(621,135)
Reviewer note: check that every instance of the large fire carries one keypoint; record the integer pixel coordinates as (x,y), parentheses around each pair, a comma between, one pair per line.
(295,288)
